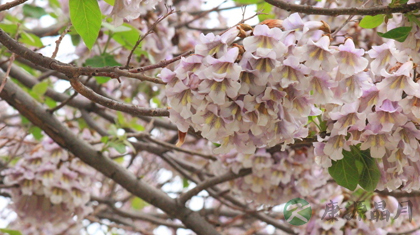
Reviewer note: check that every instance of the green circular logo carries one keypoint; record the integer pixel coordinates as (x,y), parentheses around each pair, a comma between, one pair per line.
(297,211)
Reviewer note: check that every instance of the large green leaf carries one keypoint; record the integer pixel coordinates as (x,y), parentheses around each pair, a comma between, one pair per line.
(370,22)
(370,174)
(344,171)
(399,34)
(86,18)
(266,9)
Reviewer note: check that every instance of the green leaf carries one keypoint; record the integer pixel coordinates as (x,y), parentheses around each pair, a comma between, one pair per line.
(102,80)
(344,171)
(185,183)
(55,3)
(33,11)
(370,175)
(111,27)
(397,3)
(40,88)
(24,120)
(118,145)
(110,2)
(30,39)
(138,127)
(128,144)
(129,38)
(370,22)
(138,203)
(266,9)
(156,101)
(75,39)
(399,34)
(9,28)
(86,18)
(102,61)
(50,102)
(113,131)
(36,132)
(104,139)
(82,123)
(10,232)
(413,19)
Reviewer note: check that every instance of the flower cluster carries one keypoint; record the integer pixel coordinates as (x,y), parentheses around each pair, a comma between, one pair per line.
(52,191)
(260,94)
(263,93)
(131,9)
(272,175)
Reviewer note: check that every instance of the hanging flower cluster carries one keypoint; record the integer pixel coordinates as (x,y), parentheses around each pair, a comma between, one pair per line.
(263,93)
(52,191)
(259,94)
(272,175)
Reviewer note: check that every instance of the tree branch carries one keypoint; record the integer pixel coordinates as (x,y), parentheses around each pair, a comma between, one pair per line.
(152,28)
(68,69)
(212,182)
(116,105)
(63,136)
(11,4)
(345,10)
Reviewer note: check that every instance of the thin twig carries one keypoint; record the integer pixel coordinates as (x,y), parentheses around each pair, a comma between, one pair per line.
(212,182)
(3,83)
(199,16)
(215,10)
(347,21)
(141,38)
(171,146)
(58,41)
(342,26)
(63,103)
(161,64)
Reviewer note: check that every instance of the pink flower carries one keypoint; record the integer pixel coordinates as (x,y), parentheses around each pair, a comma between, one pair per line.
(393,85)
(350,58)
(317,55)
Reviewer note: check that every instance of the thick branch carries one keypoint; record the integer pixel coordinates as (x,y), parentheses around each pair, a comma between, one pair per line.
(345,10)
(212,182)
(11,4)
(68,69)
(399,194)
(63,136)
